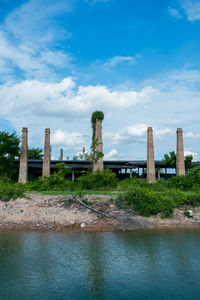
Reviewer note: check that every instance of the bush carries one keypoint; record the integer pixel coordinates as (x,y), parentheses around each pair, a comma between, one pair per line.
(149,202)
(10,191)
(100,179)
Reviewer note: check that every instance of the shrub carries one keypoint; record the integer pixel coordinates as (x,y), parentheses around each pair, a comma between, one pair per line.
(10,191)
(100,179)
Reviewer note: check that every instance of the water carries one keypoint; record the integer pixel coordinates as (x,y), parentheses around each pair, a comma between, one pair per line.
(138,265)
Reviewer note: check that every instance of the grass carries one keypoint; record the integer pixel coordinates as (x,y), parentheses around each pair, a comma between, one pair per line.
(84,192)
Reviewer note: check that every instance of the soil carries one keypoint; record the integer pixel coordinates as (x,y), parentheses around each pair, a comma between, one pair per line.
(63,213)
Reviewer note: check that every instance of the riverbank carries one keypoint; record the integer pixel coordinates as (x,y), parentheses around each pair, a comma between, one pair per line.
(62,213)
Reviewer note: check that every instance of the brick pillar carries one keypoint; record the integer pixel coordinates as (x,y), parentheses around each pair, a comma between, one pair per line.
(23,165)
(180,163)
(84,154)
(99,146)
(47,154)
(61,154)
(151,176)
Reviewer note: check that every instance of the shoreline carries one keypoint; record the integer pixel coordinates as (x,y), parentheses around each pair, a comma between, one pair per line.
(59,214)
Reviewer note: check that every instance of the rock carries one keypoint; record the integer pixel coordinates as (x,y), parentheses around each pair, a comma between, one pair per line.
(37,225)
(21,210)
(190,212)
(82,225)
(73,222)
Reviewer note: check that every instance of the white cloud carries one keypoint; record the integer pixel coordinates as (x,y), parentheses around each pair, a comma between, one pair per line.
(27,41)
(63,100)
(111,155)
(174,13)
(189,8)
(192,9)
(135,134)
(192,135)
(194,154)
(114,61)
(93,2)
(64,138)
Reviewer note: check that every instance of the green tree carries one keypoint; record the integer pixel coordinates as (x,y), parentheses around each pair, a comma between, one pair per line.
(188,161)
(35,153)
(170,159)
(9,150)
(88,156)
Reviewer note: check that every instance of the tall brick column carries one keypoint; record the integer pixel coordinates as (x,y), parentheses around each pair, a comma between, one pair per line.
(151,175)
(84,154)
(180,163)
(47,154)
(23,165)
(61,154)
(99,146)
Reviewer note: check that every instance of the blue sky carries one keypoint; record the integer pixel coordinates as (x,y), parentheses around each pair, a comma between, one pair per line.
(137,61)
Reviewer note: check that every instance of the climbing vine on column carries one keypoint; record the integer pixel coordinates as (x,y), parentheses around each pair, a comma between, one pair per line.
(96,155)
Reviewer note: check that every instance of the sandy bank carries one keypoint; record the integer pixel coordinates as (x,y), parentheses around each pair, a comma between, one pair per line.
(60,213)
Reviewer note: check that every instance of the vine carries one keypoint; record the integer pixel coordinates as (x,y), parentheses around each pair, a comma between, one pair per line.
(96,155)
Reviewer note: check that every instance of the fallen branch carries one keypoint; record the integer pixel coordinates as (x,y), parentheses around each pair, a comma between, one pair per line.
(92,209)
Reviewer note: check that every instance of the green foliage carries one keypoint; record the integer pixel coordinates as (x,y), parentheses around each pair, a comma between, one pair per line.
(188,161)
(100,179)
(9,149)
(97,115)
(80,156)
(56,181)
(10,191)
(35,153)
(161,196)
(170,159)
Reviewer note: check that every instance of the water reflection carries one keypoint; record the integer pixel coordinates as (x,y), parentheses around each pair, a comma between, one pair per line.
(96,265)
(139,265)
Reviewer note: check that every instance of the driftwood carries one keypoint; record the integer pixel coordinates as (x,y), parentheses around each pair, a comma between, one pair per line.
(76,199)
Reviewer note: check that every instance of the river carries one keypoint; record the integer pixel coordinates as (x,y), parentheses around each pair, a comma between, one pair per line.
(130,265)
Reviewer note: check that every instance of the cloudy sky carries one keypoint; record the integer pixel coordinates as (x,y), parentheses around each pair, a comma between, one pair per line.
(137,61)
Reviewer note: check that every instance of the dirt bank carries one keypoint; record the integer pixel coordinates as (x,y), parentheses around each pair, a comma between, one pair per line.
(61,213)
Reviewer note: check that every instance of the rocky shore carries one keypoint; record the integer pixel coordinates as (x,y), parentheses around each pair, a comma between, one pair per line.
(62,213)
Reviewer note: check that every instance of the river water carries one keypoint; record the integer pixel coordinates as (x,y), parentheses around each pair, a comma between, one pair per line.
(137,265)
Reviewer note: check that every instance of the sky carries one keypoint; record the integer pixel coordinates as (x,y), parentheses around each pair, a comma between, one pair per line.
(137,61)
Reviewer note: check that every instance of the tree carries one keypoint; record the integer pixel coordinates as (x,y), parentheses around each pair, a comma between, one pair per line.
(188,162)
(170,159)
(35,153)
(80,156)
(9,150)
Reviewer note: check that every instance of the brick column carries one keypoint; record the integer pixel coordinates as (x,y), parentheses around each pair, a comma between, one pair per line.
(61,154)
(99,146)
(84,154)
(151,176)
(180,163)
(47,153)
(23,165)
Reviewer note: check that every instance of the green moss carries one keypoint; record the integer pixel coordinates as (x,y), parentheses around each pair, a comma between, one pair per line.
(97,115)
